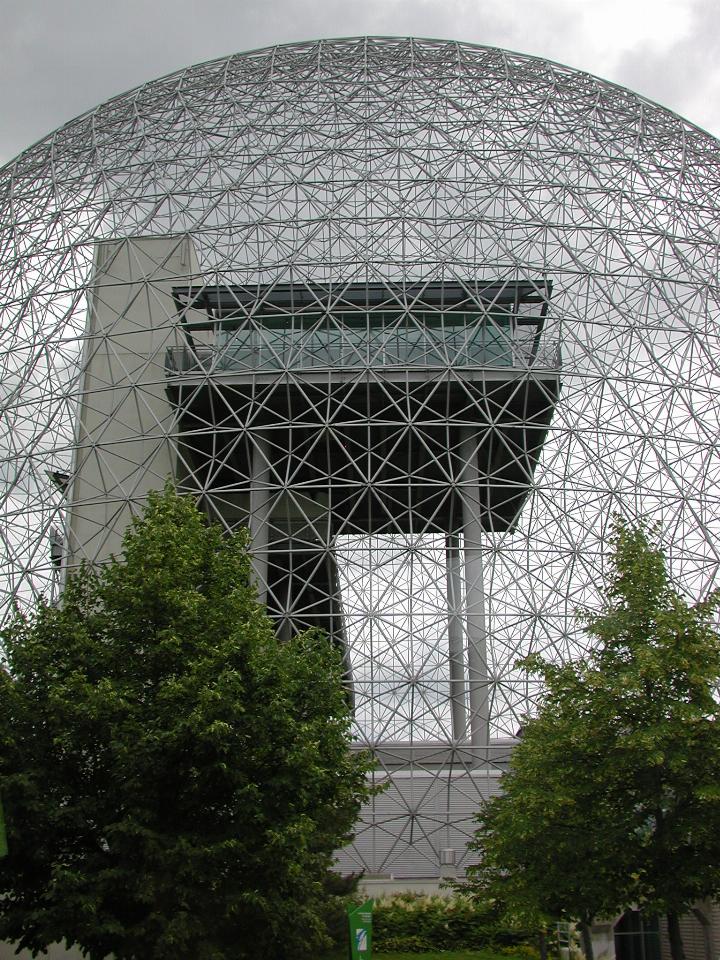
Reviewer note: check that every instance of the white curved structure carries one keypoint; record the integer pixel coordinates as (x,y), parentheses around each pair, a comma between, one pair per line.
(423,315)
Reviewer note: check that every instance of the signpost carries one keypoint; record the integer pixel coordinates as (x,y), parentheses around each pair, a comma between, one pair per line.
(360,920)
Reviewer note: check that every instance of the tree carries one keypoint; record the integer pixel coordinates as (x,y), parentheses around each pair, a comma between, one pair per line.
(175,779)
(551,847)
(613,796)
(664,654)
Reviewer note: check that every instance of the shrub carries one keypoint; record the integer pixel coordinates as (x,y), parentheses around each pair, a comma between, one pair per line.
(404,945)
(413,922)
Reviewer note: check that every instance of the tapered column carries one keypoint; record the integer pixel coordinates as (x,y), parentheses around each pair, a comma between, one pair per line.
(260,513)
(456,652)
(474,592)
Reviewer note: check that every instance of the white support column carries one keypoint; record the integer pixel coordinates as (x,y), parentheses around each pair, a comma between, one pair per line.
(125,423)
(456,652)
(260,513)
(474,592)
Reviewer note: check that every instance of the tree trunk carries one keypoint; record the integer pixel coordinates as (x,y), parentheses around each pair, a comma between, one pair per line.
(677,951)
(542,943)
(587,942)
(706,932)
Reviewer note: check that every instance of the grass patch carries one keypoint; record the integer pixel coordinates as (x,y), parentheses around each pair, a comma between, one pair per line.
(429,955)
(444,955)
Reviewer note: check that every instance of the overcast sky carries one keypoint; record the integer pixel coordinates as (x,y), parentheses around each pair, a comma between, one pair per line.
(59,58)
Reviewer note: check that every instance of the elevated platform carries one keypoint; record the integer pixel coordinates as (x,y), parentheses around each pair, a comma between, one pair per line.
(364,396)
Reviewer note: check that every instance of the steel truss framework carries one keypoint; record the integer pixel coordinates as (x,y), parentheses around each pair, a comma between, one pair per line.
(423,315)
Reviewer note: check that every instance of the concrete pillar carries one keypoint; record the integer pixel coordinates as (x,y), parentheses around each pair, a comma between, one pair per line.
(260,502)
(474,591)
(456,652)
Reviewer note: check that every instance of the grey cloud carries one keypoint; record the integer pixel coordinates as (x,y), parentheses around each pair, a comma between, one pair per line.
(685,78)
(59,59)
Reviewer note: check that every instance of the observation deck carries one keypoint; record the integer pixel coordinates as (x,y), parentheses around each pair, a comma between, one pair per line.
(394,380)
(306,330)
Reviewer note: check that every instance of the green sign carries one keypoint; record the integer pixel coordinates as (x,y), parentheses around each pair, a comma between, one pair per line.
(360,920)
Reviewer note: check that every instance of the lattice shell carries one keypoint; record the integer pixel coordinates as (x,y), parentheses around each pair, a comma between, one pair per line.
(392,162)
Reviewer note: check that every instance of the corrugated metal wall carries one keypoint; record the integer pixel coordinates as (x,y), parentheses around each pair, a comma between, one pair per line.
(403,830)
(693,935)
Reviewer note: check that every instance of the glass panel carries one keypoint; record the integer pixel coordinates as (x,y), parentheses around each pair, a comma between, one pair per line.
(351,339)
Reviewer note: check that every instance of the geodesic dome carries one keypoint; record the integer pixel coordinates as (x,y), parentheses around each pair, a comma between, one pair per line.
(423,315)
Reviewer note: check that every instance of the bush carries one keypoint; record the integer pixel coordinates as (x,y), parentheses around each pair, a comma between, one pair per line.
(413,922)
(520,951)
(405,945)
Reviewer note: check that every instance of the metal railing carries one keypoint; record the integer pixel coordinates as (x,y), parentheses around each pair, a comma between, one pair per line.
(253,351)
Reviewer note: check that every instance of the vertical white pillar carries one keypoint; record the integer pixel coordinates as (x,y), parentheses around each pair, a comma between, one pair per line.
(123,436)
(337,627)
(456,653)
(474,591)
(260,513)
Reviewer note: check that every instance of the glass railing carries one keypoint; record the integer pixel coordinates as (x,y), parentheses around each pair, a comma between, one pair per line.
(262,349)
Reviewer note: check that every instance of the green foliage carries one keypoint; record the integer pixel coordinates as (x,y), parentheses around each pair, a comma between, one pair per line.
(414,922)
(407,944)
(342,892)
(612,794)
(175,779)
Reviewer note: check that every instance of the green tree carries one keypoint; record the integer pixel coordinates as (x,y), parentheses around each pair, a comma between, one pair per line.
(613,796)
(175,779)
(551,847)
